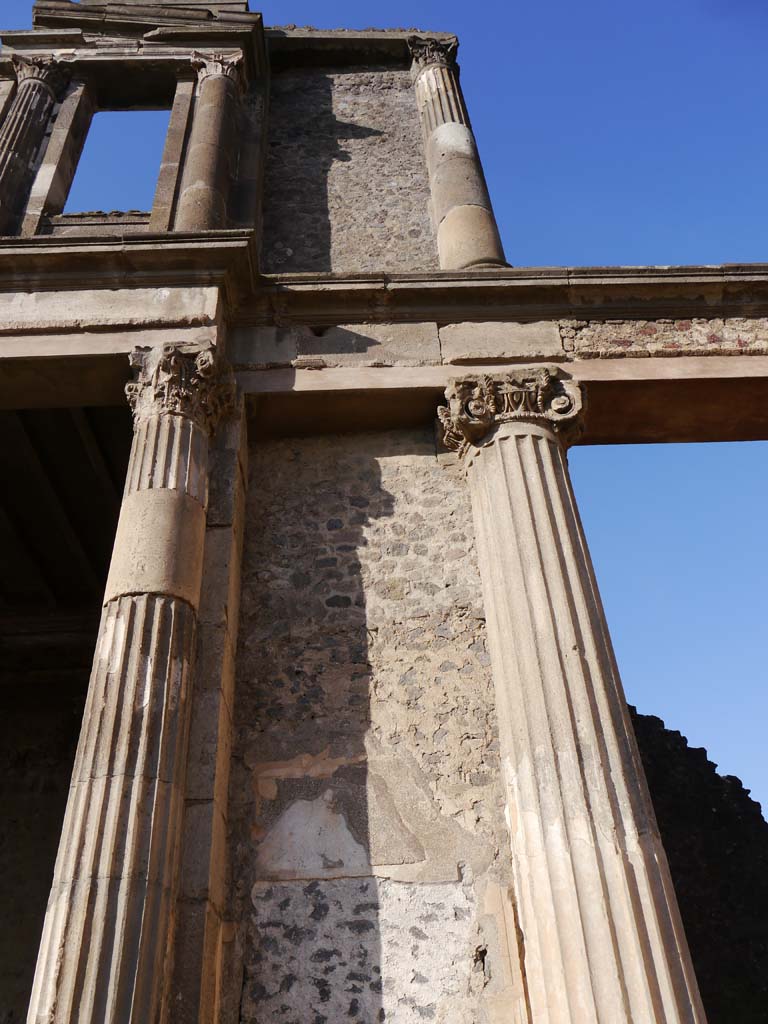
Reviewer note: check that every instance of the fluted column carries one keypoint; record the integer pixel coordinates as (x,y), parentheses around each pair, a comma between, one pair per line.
(467,235)
(603,940)
(106,950)
(211,151)
(40,82)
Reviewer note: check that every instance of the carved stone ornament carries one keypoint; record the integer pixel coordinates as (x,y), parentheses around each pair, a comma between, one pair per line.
(181,380)
(219,65)
(428,50)
(46,70)
(477,404)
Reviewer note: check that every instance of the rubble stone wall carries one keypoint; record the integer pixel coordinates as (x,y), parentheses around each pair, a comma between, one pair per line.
(346,181)
(369,856)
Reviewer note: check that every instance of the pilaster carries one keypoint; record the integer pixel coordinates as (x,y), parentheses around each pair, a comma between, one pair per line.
(107,948)
(601,931)
(467,235)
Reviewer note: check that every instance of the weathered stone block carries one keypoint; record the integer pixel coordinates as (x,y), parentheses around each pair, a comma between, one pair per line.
(497,342)
(47,310)
(345,345)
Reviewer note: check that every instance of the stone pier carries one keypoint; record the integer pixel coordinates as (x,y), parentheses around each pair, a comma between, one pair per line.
(107,947)
(467,235)
(601,932)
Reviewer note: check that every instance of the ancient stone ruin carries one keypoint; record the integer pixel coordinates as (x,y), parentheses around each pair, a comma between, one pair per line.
(289,452)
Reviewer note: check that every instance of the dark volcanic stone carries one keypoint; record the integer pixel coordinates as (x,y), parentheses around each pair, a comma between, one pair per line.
(717,845)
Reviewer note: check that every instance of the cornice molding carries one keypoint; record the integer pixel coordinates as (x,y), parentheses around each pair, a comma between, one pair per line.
(517,294)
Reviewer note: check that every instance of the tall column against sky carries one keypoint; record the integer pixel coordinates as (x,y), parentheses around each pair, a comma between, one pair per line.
(603,940)
(106,950)
(212,144)
(40,82)
(467,235)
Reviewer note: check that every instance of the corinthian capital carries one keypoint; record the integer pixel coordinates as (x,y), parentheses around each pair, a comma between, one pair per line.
(218,65)
(426,50)
(46,70)
(530,395)
(181,380)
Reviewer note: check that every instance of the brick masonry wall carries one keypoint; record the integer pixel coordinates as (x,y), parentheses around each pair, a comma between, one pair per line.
(698,336)
(369,859)
(346,184)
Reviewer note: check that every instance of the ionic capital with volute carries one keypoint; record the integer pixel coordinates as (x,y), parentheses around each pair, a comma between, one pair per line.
(477,405)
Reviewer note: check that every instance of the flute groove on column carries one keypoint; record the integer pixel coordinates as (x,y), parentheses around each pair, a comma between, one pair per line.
(603,940)
(467,235)
(40,82)
(107,946)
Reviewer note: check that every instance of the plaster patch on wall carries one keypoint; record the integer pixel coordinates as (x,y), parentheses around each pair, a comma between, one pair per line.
(311,839)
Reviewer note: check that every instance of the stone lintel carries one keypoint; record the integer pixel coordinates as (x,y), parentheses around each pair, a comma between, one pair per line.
(716,398)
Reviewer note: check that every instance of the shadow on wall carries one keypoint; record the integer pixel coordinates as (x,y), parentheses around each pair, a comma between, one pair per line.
(369,859)
(314,953)
(305,140)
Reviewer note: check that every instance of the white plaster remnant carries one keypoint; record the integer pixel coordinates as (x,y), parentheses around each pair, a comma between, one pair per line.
(311,839)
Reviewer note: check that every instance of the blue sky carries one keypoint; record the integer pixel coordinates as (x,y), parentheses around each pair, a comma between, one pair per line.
(627,134)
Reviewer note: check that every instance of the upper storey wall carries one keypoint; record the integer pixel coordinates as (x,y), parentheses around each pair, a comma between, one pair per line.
(346,187)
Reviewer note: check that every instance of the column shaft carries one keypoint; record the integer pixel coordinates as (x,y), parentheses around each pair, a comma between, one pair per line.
(467,234)
(603,940)
(107,947)
(22,133)
(208,164)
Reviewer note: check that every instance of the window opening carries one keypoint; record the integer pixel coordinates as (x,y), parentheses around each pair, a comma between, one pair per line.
(120,162)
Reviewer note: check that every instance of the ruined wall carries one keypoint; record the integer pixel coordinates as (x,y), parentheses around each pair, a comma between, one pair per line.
(346,181)
(717,844)
(369,858)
